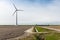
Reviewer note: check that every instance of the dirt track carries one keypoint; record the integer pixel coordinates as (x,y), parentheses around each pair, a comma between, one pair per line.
(7,32)
(54,26)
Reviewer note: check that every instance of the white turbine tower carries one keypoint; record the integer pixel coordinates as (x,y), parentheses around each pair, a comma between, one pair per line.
(15,12)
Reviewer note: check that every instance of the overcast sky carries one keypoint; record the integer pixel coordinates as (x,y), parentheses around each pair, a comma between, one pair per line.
(35,12)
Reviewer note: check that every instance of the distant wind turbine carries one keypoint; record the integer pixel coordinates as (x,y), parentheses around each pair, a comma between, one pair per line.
(15,12)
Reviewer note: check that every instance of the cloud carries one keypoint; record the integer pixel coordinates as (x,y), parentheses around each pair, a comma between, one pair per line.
(40,2)
(44,14)
(35,11)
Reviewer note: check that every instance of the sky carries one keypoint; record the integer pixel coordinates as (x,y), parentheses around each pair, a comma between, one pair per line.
(35,12)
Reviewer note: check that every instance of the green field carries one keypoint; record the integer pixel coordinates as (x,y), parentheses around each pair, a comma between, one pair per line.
(43,29)
(52,35)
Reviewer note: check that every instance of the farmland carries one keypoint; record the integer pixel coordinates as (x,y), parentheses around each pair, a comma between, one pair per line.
(7,32)
(52,35)
(56,27)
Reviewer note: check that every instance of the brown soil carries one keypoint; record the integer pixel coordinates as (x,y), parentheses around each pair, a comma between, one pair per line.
(7,32)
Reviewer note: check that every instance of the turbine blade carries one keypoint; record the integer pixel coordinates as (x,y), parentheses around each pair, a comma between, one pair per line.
(20,10)
(14,13)
(13,4)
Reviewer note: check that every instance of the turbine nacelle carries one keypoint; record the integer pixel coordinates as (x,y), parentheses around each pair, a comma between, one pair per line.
(19,10)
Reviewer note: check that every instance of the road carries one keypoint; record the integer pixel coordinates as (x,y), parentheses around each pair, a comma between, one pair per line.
(7,32)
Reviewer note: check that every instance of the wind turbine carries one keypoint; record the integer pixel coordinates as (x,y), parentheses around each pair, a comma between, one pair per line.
(15,12)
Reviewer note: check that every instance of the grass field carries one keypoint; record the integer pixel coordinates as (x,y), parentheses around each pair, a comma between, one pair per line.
(52,35)
(43,29)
